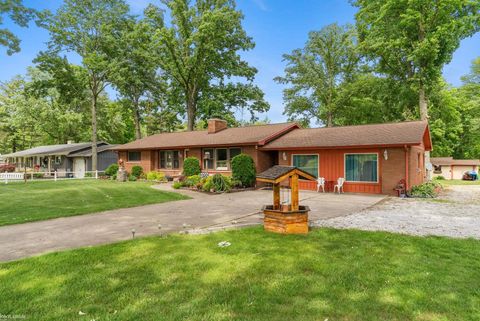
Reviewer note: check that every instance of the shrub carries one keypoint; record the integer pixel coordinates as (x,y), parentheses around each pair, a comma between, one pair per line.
(7,168)
(114,177)
(193,180)
(137,171)
(191,166)
(89,175)
(426,190)
(132,178)
(243,170)
(217,183)
(177,185)
(38,175)
(112,169)
(156,176)
(439,178)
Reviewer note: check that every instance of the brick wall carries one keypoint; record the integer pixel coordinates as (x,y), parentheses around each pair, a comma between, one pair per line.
(416,166)
(393,170)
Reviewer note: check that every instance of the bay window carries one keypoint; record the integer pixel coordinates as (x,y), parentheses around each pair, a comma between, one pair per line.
(361,168)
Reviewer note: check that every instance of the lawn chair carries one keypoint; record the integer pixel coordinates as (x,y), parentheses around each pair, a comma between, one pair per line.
(339,185)
(321,183)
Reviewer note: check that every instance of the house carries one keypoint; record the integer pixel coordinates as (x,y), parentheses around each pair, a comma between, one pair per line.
(67,159)
(451,168)
(372,158)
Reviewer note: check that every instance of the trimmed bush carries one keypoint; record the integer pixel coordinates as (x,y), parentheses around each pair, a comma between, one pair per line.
(439,178)
(156,176)
(243,170)
(192,181)
(111,169)
(191,166)
(177,185)
(132,178)
(426,190)
(217,183)
(137,171)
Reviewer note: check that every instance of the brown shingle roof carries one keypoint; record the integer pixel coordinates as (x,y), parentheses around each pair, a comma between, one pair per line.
(451,161)
(404,133)
(254,135)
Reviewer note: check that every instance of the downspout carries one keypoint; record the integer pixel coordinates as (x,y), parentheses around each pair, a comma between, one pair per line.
(406,169)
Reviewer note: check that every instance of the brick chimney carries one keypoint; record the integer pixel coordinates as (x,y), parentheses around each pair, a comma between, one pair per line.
(215,125)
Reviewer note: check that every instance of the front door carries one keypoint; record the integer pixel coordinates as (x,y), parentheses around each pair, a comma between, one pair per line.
(79,167)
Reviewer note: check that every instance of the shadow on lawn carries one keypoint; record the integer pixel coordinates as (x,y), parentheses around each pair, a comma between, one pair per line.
(339,275)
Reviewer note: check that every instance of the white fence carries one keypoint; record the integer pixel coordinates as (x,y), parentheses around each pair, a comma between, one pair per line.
(45,176)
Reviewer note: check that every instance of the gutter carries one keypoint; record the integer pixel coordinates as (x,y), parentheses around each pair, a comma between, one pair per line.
(407,169)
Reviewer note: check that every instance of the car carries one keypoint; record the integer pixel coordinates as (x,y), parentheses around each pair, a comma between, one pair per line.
(470,176)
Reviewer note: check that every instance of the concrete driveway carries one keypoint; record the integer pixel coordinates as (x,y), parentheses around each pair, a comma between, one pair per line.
(201,212)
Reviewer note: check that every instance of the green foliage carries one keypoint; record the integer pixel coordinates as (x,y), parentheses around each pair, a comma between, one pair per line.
(243,170)
(426,190)
(137,171)
(217,183)
(191,166)
(198,49)
(112,169)
(20,15)
(439,178)
(192,181)
(132,178)
(177,185)
(156,176)
(413,40)
(316,72)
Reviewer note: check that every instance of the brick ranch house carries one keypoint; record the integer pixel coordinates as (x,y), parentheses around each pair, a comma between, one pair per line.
(372,158)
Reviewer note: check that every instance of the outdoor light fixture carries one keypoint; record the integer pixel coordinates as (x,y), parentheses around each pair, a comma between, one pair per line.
(284,155)
(385,154)
(133,233)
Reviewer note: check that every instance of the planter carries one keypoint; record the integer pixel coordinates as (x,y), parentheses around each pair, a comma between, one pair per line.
(286,221)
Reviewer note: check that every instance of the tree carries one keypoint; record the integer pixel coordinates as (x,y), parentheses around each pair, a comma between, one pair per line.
(469,108)
(20,15)
(135,71)
(316,72)
(199,49)
(91,29)
(413,39)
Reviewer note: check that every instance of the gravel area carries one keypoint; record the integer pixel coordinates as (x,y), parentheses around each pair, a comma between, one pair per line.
(455,213)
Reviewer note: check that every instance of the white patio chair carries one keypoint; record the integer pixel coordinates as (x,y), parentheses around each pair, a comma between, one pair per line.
(321,183)
(339,186)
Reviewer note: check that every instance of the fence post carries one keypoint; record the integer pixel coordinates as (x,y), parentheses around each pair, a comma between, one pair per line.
(55,175)
(6,178)
(96,174)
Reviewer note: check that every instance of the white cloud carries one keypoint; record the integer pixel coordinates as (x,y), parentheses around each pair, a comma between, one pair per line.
(261,4)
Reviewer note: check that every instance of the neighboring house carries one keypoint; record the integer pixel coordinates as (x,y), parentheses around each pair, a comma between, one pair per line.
(372,158)
(451,168)
(64,158)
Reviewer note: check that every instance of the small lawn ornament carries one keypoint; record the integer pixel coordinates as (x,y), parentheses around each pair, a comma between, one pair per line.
(122,173)
(285,215)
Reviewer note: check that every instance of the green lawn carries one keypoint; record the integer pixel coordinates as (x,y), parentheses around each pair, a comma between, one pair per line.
(37,201)
(329,274)
(449,182)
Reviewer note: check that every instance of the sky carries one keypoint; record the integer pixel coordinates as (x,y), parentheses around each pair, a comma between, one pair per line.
(276,26)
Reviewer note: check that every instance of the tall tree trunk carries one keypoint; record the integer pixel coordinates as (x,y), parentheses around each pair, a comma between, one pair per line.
(422,102)
(94,131)
(329,119)
(136,119)
(191,110)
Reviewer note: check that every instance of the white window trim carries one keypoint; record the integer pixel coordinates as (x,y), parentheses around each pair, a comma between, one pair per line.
(363,182)
(307,154)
